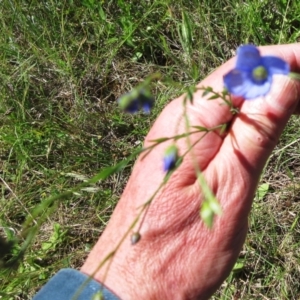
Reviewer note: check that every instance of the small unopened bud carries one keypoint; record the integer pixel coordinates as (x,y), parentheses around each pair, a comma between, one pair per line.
(170,158)
(135,237)
(98,296)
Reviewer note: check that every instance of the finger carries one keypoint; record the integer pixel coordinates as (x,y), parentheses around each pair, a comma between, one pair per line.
(260,121)
(256,130)
(253,136)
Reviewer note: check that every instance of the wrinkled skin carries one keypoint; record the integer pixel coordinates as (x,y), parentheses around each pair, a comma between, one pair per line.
(178,257)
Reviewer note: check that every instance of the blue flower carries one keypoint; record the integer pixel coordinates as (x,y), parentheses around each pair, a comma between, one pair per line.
(170,158)
(138,98)
(252,76)
(146,101)
(132,106)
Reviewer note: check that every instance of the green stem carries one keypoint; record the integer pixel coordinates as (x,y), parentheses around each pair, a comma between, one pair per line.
(209,197)
(294,75)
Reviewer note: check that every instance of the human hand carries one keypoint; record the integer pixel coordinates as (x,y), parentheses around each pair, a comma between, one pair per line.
(178,257)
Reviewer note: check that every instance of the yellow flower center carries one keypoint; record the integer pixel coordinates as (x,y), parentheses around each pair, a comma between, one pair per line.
(260,73)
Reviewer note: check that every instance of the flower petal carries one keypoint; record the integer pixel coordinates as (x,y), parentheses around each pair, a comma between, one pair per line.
(132,107)
(248,58)
(242,84)
(170,158)
(146,100)
(169,163)
(257,90)
(237,82)
(275,65)
(147,107)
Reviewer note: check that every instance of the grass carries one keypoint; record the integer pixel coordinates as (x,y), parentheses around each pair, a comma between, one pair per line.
(63,64)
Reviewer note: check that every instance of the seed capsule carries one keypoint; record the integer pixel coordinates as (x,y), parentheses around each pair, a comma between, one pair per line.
(135,237)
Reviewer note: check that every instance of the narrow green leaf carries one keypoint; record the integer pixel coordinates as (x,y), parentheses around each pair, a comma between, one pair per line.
(262,191)
(213,97)
(159,140)
(200,128)
(186,32)
(102,13)
(210,206)
(207,91)
(238,266)
(190,95)
(207,214)
(223,128)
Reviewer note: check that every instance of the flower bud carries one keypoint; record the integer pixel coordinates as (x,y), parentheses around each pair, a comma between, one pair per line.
(135,237)
(139,98)
(170,158)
